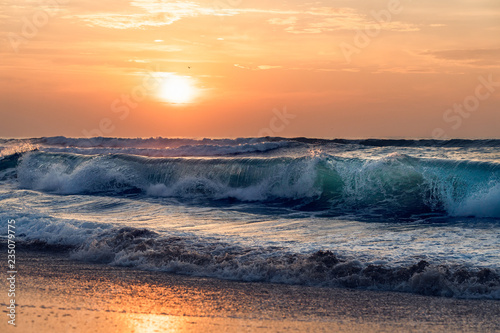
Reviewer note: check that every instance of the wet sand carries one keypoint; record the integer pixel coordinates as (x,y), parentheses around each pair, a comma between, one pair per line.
(56,294)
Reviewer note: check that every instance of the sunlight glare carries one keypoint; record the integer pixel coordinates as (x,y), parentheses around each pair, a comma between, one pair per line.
(177,89)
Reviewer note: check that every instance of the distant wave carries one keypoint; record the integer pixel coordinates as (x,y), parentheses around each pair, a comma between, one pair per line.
(159,142)
(394,186)
(404,142)
(182,151)
(154,143)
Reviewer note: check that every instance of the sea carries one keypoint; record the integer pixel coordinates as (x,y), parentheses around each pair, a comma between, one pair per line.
(416,216)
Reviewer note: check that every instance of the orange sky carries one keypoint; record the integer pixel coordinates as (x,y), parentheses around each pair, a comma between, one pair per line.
(286,68)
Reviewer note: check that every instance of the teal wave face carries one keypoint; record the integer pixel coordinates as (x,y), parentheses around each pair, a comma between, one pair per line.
(394,186)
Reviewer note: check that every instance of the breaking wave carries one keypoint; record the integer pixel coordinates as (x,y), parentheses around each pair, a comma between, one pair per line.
(189,255)
(394,186)
(433,208)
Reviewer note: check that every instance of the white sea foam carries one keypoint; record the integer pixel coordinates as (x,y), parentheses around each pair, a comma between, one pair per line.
(396,215)
(397,185)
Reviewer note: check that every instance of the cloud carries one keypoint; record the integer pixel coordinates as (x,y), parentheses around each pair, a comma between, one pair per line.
(478,57)
(327,19)
(260,67)
(146,13)
(466,54)
(264,67)
(151,14)
(286,21)
(127,21)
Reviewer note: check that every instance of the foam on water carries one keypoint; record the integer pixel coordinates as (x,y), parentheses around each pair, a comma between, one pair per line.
(395,185)
(213,257)
(418,216)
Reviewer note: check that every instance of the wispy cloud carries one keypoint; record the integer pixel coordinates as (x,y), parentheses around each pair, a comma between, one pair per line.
(283,21)
(264,67)
(326,19)
(127,21)
(152,14)
(475,57)
(260,67)
(145,13)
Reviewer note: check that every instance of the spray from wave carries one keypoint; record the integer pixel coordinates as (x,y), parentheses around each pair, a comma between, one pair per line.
(395,186)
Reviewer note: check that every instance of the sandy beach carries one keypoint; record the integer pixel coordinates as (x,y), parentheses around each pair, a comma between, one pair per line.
(57,294)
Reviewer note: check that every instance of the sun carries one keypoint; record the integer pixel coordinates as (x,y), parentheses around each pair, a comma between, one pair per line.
(177,89)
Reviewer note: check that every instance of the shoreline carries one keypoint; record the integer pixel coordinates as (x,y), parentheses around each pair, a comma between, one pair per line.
(56,294)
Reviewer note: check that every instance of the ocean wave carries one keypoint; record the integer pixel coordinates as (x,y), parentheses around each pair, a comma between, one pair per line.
(16,150)
(152,143)
(159,142)
(211,257)
(182,151)
(312,197)
(394,186)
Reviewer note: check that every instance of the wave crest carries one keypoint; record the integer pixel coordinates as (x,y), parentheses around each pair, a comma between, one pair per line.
(394,186)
